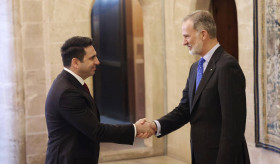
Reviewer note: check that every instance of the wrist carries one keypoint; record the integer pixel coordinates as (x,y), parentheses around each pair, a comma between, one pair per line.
(155,126)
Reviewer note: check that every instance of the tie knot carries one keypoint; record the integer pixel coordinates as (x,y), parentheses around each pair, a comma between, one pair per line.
(201,61)
(86,87)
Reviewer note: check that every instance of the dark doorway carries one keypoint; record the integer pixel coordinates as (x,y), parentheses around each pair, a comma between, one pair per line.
(119,89)
(110,81)
(119,79)
(225,15)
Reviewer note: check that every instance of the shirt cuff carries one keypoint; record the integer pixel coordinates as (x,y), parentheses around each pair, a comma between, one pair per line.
(158,128)
(135,132)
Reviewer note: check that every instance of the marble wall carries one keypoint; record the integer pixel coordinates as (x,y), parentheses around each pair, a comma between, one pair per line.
(12,135)
(32,33)
(45,25)
(245,15)
(34,73)
(177,64)
(40,28)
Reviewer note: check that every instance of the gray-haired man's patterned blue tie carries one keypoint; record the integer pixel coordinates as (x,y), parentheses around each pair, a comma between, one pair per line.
(199,72)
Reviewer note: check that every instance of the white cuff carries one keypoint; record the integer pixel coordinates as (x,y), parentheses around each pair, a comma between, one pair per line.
(135,132)
(158,128)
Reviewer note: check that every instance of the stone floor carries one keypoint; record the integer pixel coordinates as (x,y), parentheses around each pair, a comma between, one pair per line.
(151,160)
(115,147)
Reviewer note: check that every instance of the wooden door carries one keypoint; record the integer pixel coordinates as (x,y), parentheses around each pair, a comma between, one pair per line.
(225,15)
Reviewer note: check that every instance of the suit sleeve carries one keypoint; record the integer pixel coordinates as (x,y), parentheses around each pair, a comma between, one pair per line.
(179,116)
(231,87)
(76,110)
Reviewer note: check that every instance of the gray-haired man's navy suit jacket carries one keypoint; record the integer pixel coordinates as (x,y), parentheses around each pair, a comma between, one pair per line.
(216,112)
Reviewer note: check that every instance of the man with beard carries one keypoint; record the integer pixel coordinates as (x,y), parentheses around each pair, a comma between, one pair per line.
(213,101)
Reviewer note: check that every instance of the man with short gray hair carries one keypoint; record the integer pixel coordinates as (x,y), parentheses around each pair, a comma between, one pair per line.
(213,101)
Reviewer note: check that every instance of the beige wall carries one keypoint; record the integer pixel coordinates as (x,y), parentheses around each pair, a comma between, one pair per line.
(45,26)
(12,129)
(34,79)
(178,62)
(40,28)
(246,47)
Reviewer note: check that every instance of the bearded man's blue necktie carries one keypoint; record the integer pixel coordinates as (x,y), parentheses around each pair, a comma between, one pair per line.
(199,72)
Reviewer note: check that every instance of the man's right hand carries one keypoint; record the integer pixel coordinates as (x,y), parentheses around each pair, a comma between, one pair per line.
(145,129)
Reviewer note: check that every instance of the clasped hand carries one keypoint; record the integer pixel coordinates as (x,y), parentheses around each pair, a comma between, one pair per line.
(145,129)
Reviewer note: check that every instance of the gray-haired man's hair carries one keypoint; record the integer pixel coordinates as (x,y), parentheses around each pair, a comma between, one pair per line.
(203,20)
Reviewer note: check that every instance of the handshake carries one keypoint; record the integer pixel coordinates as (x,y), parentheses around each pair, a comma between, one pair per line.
(145,129)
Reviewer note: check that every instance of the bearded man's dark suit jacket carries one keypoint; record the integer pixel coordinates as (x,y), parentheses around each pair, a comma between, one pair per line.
(74,127)
(216,112)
